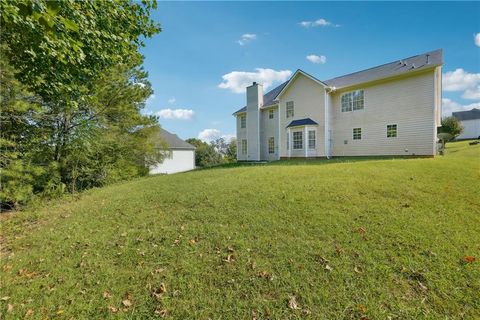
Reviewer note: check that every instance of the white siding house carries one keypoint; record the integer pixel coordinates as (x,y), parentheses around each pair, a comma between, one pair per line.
(470,121)
(392,109)
(179,157)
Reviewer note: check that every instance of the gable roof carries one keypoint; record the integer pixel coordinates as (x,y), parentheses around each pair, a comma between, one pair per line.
(301,122)
(419,62)
(173,141)
(467,115)
(290,81)
(268,98)
(415,63)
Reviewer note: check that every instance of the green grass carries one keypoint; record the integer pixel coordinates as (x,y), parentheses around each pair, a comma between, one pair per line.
(394,232)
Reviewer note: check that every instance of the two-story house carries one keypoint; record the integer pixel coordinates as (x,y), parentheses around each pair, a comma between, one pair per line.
(391,109)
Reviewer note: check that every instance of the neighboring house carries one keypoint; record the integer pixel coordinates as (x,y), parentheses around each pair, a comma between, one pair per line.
(392,109)
(179,157)
(470,121)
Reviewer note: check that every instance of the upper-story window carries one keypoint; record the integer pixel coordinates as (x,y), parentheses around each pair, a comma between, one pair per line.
(357,133)
(391,130)
(352,101)
(298,140)
(271,113)
(290,109)
(243,121)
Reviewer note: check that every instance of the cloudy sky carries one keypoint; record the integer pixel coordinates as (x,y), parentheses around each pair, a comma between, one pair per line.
(208,52)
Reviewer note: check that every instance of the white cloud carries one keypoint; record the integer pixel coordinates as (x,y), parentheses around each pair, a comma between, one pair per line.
(316,59)
(208,135)
(172,100)
(237,81)
(318,23)
(246,38)
(448,106)
(472,94)
(477,39)
(180,114)
(460,80)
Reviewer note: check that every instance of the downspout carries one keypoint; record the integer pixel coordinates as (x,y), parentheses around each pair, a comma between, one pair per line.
(326,125)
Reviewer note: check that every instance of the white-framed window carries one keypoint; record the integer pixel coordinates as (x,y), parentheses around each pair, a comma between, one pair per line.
(290,109)
(243,121)
(271,145)
(357,133)
(312,141)
(391,130)
(271,113)
(244,146)
(352,101)
(298,140)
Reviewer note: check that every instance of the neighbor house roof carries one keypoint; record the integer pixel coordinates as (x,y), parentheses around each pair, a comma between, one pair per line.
(301,122)
(398,67)
(173,141)
(467,115)
(415,63)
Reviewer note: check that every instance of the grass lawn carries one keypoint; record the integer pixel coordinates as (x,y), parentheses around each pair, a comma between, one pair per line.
(378,239)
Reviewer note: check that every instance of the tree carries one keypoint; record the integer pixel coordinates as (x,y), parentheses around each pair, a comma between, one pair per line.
(205,154)
(452,126)
(231,152)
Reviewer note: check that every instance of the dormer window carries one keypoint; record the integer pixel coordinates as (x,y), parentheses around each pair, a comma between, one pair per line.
(352,101)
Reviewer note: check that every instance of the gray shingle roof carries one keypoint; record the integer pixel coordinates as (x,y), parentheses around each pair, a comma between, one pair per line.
(467,115)
(415,63)
(301,122)
(173,141)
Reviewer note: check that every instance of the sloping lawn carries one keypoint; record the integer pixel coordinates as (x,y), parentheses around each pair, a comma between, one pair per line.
(379,239)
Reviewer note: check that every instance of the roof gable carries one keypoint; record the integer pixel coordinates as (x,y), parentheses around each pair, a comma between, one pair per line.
(173,141)
(292,80)
(302,122)
(467,115)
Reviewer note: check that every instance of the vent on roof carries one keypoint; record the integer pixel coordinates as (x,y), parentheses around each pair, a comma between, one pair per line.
(254,83)
(412,66)
(428,59)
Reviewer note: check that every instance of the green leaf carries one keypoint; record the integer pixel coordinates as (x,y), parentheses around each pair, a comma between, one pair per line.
(70,25)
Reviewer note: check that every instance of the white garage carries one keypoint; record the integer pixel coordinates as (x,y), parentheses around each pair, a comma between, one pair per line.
(179,157)
(470,121)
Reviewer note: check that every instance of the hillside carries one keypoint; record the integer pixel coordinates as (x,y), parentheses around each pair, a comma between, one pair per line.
(321,240)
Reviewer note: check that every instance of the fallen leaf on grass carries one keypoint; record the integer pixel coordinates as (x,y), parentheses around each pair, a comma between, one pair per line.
(127,303)
(112,309)
(358,269)
(328,268)
(29,313)
(263,274)
(4,298)
(176,242)
(292,303)
(362,308)
(254,315)
(7,267)
(9,307)
(157,293)
(59,312)
(230,249)
(230,258)
(361,230)
(469,259)
(106,295)
(193,241)
(422,286)
(161,312)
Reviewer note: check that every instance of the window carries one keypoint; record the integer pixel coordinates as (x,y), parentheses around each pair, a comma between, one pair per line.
(271,145)
(391,131)
(298,140)
(243,122)
(244,146)
(357,133)
(271,113)
(311,139)
(353,101)
(290,112)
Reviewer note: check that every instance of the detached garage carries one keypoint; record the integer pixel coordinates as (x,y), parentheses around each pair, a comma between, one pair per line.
(180,156)
(470,121)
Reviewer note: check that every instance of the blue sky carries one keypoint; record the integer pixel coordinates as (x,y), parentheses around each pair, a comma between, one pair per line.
(203,42)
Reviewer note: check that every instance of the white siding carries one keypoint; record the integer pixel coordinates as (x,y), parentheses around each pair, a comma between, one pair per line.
(308,97)
(175,161)
(241,135)
(471,129)
(268,128)
(407,102)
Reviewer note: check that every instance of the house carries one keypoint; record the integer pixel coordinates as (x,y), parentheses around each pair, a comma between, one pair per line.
(470,121)
(179,157)
(391,109)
